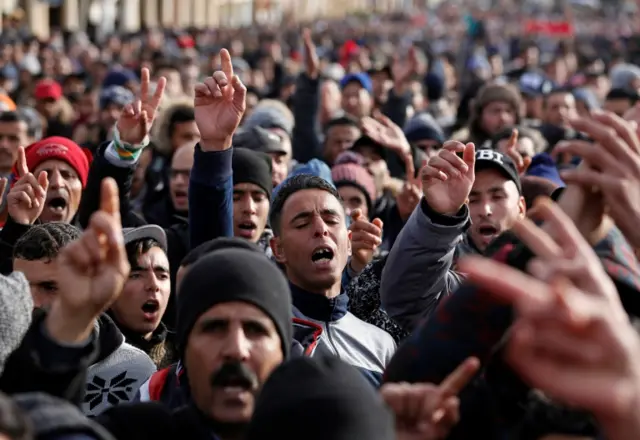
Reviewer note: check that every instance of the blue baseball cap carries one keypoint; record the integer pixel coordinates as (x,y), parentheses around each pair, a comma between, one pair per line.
(362,78)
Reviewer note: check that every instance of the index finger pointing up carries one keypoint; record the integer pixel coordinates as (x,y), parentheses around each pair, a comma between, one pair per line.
(109,197)
(21,166)
(513,140)
(225,61)
(460,377)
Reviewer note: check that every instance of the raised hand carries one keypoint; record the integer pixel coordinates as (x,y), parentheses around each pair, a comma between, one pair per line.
(403,71)
(92,270)
(366,236)
(219,106)
(427,411)
(613,168)
(311,60)
(563,252)
(135,122)
(568,343)
(409,197)
(447,179)
(26,199)
(511,150)
(383,131)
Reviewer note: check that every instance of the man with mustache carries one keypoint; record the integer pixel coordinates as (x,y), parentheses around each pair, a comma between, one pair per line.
(234,327)
(473,198)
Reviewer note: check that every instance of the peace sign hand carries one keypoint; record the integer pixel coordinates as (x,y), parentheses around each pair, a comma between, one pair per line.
(26,199)
(135,122)
(219,106)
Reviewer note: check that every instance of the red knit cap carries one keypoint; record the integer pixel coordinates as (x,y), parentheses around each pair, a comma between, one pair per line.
(59,148)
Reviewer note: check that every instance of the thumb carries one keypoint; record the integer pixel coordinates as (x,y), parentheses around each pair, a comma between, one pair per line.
(356,214)
(378,223)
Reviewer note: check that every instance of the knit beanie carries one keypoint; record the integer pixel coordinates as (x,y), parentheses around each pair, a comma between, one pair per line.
(117,95)
(497,93)
(348,170)
(304,390)
(423,127)
(54,418)
(271,114)
(252,167)
(16,307)
(59,148)
(228,275)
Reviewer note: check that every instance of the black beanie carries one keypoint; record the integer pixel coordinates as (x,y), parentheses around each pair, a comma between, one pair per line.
(304,390)
(252,167)
(228,275)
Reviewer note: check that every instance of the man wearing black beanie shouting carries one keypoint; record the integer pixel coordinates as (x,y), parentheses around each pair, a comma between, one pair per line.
(234,328)
(251,196)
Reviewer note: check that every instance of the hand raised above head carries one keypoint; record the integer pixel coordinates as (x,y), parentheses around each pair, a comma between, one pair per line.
(26,199)
(447,178)
(134,124)
(92,270)
(219,106)
(366,236)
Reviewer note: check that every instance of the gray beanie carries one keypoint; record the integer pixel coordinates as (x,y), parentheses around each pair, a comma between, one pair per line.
(16,307)
(268,115)
(623,75)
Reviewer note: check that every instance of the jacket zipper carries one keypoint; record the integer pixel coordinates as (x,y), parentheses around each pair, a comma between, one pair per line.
(328,325)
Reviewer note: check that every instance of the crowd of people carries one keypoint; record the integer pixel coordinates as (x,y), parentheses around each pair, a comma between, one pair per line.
(320,231)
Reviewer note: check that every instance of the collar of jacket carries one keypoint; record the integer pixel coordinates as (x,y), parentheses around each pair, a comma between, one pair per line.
(158,336)
(318,307)
(109,337)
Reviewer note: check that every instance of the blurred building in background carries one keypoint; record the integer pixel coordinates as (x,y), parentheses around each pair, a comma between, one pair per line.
(131,15)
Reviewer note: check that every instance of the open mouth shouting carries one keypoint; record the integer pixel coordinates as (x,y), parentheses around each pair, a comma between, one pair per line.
(487,233)
(180,197)
(151,309)
(57,206)
(322,257)
(247,229)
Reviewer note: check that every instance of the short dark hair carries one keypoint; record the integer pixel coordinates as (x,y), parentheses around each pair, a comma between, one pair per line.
(213,245)
(45,241)
(139,247)
(556,91)
(179,115)
(340,121)
(291,186)
(623,94)
(12,116)
(165,65)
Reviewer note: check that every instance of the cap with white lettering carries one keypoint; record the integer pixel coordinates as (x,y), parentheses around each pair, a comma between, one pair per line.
(493,159)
